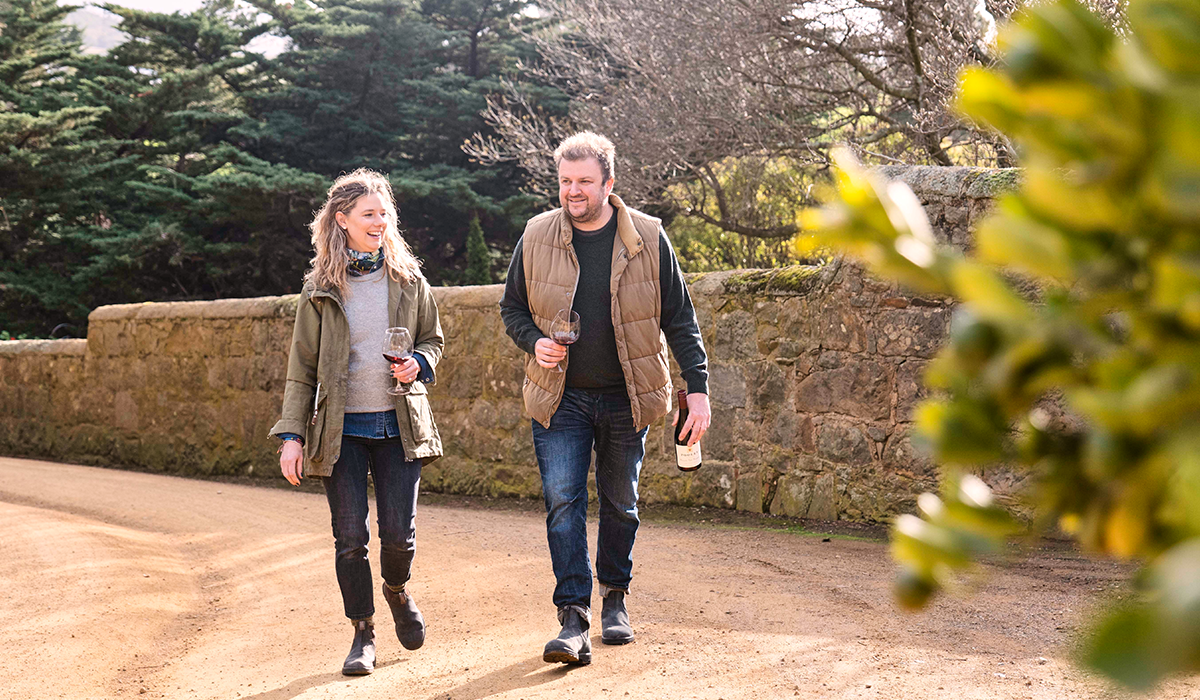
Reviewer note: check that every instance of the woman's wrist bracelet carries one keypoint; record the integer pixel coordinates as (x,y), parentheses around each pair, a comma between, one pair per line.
(286,440)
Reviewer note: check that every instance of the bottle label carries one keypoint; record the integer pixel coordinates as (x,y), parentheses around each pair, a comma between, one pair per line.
(687,457)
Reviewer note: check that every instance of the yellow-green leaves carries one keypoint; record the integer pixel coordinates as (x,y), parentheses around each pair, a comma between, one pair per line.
(952,531)
(1076,348)
(1144,641)
(1169,30)
(881,223)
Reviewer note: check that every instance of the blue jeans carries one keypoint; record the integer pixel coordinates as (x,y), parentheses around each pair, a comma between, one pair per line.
(585,421)
(396,484)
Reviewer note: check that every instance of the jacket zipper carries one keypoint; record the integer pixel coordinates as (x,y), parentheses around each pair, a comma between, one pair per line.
(316,402)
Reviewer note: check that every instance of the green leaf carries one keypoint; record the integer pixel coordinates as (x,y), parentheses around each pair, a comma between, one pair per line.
(1127,647)
(1169,30)
(1027,246)
(991,298)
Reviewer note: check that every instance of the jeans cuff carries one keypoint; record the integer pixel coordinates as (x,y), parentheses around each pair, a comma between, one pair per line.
(585,613)
(605,589)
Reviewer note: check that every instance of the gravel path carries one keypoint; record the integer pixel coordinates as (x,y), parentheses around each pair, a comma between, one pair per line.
(129,584)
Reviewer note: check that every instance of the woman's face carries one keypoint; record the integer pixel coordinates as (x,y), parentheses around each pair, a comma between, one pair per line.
(365,223)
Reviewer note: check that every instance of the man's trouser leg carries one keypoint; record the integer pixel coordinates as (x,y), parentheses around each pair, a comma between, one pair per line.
(564,452)
(620,449)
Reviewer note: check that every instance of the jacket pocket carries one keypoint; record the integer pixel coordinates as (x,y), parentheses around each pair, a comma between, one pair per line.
(316,424)
(420,417)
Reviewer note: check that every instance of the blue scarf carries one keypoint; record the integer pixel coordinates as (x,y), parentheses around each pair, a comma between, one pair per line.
(359,264)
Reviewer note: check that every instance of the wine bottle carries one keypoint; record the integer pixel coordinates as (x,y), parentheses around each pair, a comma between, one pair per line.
(686,458)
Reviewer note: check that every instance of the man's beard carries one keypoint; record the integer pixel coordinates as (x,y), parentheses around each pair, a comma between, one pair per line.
(590,214)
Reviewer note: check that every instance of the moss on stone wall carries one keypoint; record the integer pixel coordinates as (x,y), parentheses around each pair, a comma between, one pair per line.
(795,280)
(989,184)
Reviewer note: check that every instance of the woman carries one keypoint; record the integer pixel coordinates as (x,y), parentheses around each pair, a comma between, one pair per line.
(339,422)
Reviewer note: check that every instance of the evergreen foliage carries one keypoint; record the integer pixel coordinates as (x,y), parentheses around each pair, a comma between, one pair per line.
(479,258)
(182,165)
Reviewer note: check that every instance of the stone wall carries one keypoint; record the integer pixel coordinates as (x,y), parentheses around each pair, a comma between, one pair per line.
(814,374)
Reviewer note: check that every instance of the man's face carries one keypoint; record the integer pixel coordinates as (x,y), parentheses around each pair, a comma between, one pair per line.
(582,191)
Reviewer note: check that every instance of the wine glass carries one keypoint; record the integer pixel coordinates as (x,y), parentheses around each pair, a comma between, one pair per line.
(564,330)
(397,347)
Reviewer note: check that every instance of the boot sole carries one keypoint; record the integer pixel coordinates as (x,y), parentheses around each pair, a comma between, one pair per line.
(356,671)
(562,657)
(616,641)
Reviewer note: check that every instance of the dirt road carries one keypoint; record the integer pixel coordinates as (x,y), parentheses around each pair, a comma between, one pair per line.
(126,584)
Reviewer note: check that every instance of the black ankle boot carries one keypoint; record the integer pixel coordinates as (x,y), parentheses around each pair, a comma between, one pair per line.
(410,623)
(361,659)
(572,645)
(614,621)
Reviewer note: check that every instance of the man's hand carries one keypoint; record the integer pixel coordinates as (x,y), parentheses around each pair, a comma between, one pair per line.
(699,418)
(549,353)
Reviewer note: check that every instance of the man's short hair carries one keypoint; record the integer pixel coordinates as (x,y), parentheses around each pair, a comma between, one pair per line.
(586,145)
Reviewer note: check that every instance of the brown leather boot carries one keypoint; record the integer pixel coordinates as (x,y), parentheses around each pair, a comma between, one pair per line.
(410,623)
(361,659)
(614,620)
(572,646)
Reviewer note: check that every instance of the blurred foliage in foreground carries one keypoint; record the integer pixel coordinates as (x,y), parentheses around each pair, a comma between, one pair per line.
(1076,349)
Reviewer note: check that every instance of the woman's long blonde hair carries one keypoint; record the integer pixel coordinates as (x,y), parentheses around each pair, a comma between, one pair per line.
(328,267)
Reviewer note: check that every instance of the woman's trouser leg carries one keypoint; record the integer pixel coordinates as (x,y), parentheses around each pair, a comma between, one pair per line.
(346,490)
(397,482)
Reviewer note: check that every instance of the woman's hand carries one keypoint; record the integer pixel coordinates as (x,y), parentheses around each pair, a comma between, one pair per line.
(291,461)
(406,371)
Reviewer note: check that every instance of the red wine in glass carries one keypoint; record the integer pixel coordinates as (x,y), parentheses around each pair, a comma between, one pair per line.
(564,330)
(397,347)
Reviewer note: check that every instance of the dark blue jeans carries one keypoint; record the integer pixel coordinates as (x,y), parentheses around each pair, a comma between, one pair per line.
(396,484)
(587,421)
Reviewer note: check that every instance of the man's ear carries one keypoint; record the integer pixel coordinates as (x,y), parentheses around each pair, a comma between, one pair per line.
(608,186)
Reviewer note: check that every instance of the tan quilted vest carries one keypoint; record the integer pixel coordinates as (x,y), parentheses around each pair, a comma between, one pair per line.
(551,274)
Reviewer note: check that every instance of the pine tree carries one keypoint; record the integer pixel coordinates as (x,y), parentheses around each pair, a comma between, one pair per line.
(184,166)
(479,259)
(53,164)
(388,85)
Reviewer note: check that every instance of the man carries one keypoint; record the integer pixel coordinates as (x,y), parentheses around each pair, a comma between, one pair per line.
(615,267)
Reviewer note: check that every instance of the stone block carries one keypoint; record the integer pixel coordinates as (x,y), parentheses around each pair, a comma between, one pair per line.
(767,384)
(125,411)
(260,335)
(860,389)
(838,326)
(843,443)
(900,456)
(723,432)
(459,377)
(749,490)
(910,388)
(913,332)
(714,484)
(806,495)
(830,360)
(727,384)
(503,378)
(735,336)
(794,431)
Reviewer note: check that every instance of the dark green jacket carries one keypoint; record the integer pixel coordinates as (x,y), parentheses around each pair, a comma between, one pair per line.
(314,400)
